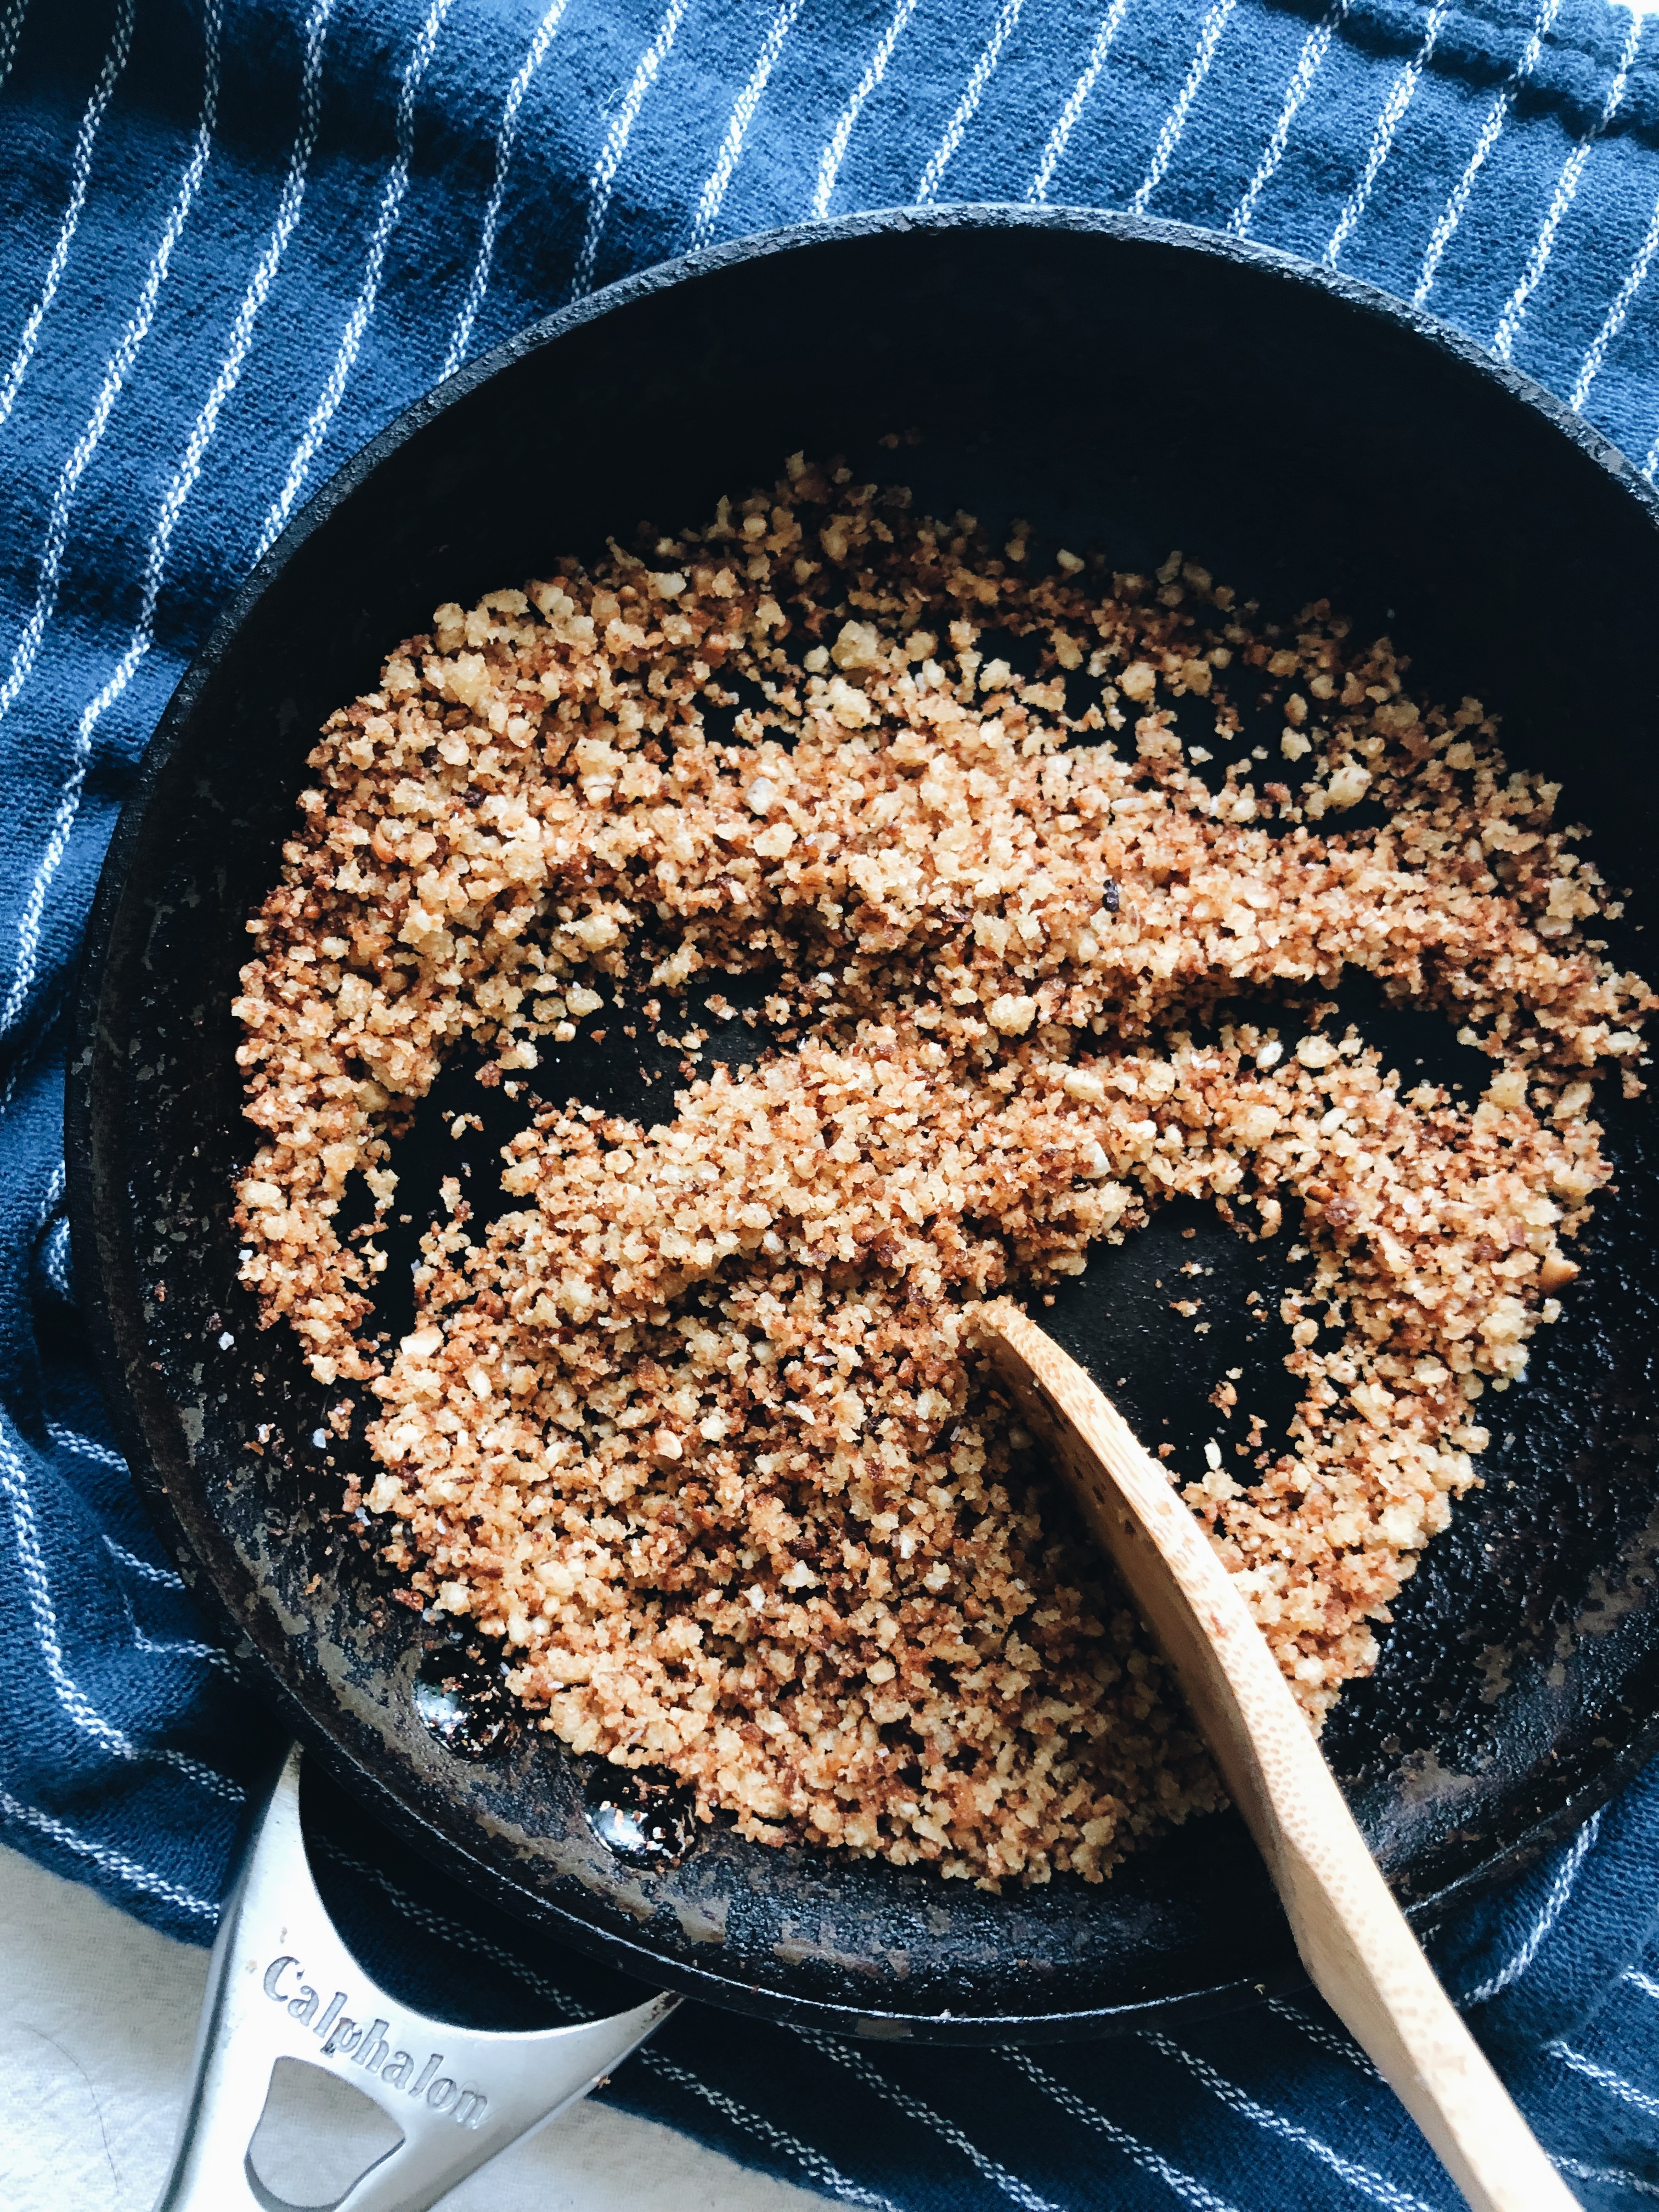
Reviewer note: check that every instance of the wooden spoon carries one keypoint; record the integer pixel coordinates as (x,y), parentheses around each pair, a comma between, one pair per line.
(1351,1936)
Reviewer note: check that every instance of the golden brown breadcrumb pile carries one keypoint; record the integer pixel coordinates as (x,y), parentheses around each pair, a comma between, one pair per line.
(697,1425)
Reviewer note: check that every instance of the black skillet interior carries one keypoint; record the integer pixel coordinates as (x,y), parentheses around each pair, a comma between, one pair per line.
(1129,387)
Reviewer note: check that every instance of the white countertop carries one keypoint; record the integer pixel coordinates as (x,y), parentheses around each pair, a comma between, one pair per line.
(97,2017)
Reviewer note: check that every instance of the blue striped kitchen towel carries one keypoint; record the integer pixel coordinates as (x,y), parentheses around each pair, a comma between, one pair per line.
(239,235)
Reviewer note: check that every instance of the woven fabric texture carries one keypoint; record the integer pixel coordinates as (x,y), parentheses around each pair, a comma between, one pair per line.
(241,236)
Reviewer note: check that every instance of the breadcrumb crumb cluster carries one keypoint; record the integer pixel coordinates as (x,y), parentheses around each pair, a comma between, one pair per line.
(697,1425)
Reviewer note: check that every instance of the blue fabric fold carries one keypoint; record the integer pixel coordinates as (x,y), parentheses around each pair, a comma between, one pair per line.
(240,236)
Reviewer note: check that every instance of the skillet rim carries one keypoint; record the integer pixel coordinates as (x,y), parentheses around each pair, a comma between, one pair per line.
(85,1064)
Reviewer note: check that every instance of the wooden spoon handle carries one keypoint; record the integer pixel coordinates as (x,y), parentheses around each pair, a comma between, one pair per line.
(1353,1937)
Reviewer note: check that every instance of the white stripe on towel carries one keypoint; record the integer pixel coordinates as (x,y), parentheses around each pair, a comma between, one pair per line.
(600,184)
(713,195)
(172,505)
(1566,191)
(835,151)
(126,1870)
(115,60)
(87,1447)
(184,1648)
(1038,190)
(1185,2185)
(1388,124)
(506,139)
(392,203)
(1555,1905)
(1175,121)
(117,369)
(1315,47)
(1619,2176)
(31,1561)
(1635,276)
(146,1570)
(1497,116)
(994,2171)
(1605,2078)
(1377,2187)
(1341,2046)
(968,107)
(11,25)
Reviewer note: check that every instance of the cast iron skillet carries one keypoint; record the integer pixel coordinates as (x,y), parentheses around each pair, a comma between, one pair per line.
(1127,386)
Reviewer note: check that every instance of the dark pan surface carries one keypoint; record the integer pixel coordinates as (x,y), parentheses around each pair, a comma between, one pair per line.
(1127,386)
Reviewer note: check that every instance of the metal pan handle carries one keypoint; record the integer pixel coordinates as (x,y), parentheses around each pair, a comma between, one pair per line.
(283,1985)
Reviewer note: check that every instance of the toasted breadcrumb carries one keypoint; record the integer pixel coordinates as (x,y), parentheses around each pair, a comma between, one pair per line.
(697,1427)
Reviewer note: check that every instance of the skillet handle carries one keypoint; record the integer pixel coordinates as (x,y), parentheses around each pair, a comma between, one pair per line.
(283,1985)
